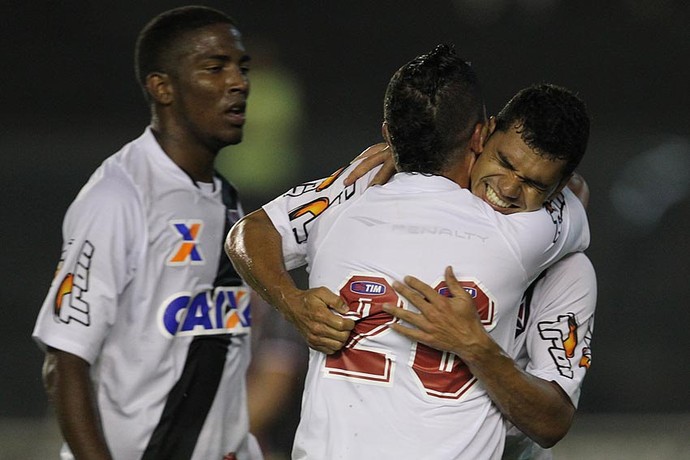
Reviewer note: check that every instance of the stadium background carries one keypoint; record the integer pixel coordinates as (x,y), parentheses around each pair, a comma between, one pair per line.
(69,99)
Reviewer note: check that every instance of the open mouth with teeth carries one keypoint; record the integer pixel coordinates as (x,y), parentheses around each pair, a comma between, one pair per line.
(236,114)
(493,198)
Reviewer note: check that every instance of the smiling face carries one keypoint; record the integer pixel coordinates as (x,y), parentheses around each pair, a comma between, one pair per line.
(209,86)
(512,177)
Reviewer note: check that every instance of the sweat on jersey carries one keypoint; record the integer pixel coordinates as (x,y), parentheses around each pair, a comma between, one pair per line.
(146,295)
(384,396)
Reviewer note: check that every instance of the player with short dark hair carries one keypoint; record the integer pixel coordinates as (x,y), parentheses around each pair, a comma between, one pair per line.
(551,120)
(429,139)
(382,392)
(523,164)
(160,43)
(146,324)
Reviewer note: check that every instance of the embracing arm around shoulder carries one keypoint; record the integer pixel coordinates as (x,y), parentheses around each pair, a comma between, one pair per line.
(68,385)
(255,249)
(374,156)
(539,408)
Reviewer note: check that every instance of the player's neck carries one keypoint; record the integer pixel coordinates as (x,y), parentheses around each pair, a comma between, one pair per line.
(458,172)
(194,158)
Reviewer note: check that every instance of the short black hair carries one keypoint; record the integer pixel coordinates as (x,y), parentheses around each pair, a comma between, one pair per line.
(431,106)
(550,119)
(158,39)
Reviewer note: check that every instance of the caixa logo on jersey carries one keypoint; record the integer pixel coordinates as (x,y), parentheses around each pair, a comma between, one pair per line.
(224,310)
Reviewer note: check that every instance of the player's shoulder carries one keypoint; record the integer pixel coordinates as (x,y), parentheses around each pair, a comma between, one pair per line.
(122,176)
(570,283)
(108,197)
(334,183)
(576,264)
(108,185)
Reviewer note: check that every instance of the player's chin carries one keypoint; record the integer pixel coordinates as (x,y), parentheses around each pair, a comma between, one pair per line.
(231,136)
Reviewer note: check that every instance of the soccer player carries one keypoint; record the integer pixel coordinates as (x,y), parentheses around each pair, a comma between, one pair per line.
(378,395)
(145,326)
(553,344)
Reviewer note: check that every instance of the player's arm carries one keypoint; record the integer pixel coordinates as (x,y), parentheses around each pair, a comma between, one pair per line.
(537,407)
(255,249)
(560,325)
(68,385)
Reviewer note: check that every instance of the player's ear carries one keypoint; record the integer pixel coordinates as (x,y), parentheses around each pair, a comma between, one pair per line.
(386,134)
(481,133)
(159,87)
(478,139)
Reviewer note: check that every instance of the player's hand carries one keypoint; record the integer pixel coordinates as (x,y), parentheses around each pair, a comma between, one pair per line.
(313,312)
(444,323)
(377,154)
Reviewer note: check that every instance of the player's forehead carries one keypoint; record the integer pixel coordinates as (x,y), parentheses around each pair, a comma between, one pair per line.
(221,39)
(511,150)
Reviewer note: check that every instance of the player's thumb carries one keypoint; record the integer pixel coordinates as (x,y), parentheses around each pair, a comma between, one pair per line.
(338,304)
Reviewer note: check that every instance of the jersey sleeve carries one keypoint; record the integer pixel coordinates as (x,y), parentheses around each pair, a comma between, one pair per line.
(543,237)
(559,333)
(294,213)
(103,233)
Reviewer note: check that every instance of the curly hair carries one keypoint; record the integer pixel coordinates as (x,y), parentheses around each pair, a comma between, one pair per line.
(431,106)
(551,120)
(156,44)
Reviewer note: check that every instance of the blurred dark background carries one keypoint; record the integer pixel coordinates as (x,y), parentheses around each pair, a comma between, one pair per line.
(69,99)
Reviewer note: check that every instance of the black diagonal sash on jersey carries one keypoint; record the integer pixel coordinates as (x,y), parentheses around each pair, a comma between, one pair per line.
(190,400)
(527,304)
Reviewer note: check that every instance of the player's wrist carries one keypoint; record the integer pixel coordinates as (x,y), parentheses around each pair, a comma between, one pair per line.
(482,353)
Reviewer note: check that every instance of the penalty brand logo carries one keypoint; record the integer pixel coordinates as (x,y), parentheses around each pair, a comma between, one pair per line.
(70,304)
(224,310)
(187,251)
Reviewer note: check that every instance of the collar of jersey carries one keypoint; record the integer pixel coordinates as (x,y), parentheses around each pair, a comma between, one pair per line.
(166,163)
(423,182)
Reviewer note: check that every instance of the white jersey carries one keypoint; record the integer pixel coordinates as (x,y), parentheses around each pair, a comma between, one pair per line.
(384,396)
(553,337)
(144,293)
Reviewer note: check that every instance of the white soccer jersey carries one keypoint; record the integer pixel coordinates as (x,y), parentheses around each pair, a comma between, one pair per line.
(554,333)
(145,294)
(384,396)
